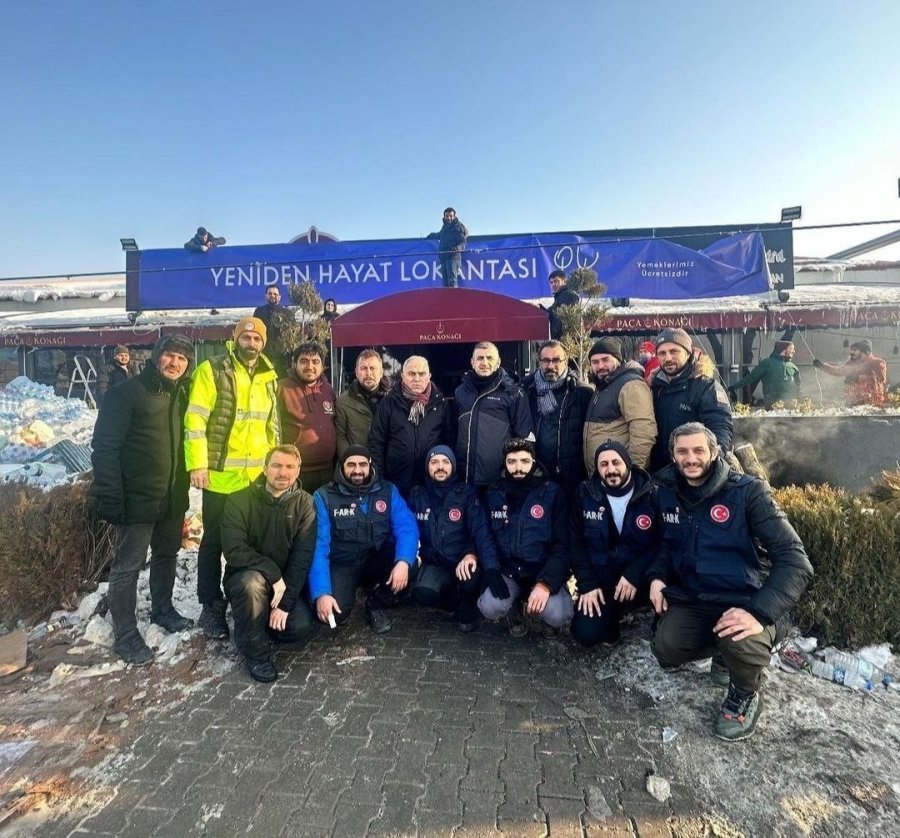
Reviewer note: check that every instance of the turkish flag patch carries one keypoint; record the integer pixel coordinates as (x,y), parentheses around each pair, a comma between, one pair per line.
(454,514)
(537,511)
(380,506)
(719,513)
(643,522)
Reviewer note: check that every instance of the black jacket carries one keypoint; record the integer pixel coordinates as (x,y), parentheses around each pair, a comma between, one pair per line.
(275,536)
(195,244)
(111,374)
(601,555)
(398,447)
(138,450)
(563,297)
(692,395)
(708,549)
(452,237)
(564,461)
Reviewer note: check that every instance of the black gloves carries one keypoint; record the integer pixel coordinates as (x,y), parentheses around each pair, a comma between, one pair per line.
(494,581)
(817,363)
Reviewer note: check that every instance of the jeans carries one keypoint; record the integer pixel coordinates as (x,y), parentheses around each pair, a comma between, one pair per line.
(209,554)
(557,612)
(436,586)
(132,540)
(250,596)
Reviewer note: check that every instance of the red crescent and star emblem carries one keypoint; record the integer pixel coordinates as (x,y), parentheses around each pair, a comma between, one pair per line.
(719,513)
(380,506)
(537,511)
(643,522)
(454,514)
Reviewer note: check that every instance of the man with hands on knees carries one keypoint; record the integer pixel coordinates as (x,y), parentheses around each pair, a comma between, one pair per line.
(527,513)
(454,537)
(708,583)
(365,536)
(615,530)
(268,536)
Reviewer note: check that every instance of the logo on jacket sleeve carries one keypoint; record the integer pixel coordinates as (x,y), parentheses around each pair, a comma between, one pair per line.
(537,512)
(380,506)
(719,513)
(454,514)
(643,522)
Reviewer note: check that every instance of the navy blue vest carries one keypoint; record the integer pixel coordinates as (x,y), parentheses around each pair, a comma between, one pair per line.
(354,532)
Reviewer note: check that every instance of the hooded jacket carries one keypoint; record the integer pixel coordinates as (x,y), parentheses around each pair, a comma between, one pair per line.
(398,446)
(780,379)
(274,536)
(691,395)
(708,550)
(306,412)
(353,416)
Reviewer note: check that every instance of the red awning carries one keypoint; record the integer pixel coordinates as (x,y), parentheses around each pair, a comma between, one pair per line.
(440,315)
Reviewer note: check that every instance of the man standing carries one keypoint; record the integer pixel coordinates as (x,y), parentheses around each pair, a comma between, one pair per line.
(356,406)
(268,536)
(490,408)
(141,486)
(275,316)
(622,407)
(230,426)
(558,402)
(455,540)
(527,512)
(451,243)
(779,375)
(708,582)
(614,531)
(562,296)
(411,419)
(865,375)
(366,536)
(114,372)
(306,409)
(272,307)
(684,390)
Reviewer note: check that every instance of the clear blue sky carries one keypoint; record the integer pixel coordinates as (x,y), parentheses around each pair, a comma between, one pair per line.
(367,118)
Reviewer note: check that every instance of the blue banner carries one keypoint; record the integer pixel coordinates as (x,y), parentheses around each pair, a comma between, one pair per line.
(517,266)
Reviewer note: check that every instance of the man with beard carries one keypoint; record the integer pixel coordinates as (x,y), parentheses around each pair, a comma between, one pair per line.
(276,317)
(614,532)
(562,296)
(410,420)
(268,536)
(622,407)
(366,536)
(527,512)
(779,375)
(684,390)
(141,486)
(558,401)
(119,369)
(455,540)
(306,409)
(451,243)
(490,408)
(708,582)
(356,406)
(230,425)
(865,375)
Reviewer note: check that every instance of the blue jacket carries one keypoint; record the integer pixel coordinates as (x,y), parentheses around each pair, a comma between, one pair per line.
(452,522)
(708,550)
(351,521)
(601,555)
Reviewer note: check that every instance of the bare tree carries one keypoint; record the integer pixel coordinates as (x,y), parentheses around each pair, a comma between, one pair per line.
(578,321)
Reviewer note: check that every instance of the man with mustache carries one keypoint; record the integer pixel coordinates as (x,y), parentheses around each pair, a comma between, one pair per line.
(356,406)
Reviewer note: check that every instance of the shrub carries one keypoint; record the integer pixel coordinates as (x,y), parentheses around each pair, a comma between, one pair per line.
(50,544)
(852,542)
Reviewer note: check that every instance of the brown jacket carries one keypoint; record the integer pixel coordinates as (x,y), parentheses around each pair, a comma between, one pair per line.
(865,379)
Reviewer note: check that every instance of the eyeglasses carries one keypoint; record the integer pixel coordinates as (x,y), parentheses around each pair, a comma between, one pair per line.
(554,361)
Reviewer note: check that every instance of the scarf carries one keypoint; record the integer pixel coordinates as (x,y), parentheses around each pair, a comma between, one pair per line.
(481,384)
(417,408)
(546,401)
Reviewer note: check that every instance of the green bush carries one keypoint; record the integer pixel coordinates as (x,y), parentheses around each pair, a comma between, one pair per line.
(50,544)
(853,542)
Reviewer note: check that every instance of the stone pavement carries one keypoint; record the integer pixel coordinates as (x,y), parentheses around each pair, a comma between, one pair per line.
(427,732)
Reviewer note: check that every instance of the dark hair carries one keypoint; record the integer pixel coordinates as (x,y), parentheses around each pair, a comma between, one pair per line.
(552,344)
(514,444)
(450,209)
(310,347)
(284,449)
(557,275)
(690,428)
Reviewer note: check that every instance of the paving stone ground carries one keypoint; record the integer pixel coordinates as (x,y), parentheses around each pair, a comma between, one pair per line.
(420,732)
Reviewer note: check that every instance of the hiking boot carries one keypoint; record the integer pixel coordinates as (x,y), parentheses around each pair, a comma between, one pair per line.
(377,618)
(718,672)
(263,671)
(739,714)
(467,617)
(549,632)
(132,649)
(516,623)
(172,621)
(212,620)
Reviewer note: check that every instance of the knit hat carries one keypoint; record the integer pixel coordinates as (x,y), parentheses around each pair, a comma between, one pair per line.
(677,336)
(781,345)
(864,345)
(442,451)
(250,324)
(121,350)
(612,445)
(607,346)
(647,346)
(173,343)
(355,451)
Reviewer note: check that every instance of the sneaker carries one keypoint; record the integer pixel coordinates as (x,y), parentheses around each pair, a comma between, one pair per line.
(132,649)
(516,623)
(262,671)
(172,621)
(377,618)
(467,617)
(739,714)
(212,621)
(718,672)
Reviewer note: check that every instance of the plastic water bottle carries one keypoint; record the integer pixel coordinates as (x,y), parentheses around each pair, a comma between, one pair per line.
(825,670)
(857,669)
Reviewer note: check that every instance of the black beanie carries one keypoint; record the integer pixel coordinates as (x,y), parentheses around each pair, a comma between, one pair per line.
(608,346)
(612,445)
(864,346)
(355,451)
(173,343)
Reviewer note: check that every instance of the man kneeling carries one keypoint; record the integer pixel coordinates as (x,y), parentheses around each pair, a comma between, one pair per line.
(268,537)
(707,582)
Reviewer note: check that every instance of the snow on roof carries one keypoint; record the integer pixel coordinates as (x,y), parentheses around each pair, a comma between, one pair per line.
(99,286)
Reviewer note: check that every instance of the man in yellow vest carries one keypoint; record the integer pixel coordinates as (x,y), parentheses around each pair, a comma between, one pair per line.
(230,425)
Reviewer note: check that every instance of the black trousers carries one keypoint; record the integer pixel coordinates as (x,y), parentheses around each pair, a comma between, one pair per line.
(209,554)
(589,631)
(370,574)
(132,540)
(436,586)
(250,596)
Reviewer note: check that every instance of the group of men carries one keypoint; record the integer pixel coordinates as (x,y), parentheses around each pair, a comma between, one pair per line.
(485,505)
